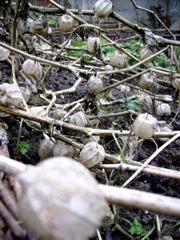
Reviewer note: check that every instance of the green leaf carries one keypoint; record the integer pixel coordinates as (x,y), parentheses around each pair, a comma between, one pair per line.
(23,147)
(132,105)
(136,228)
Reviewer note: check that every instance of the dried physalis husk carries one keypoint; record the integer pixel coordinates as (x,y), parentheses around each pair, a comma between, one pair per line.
(145,53)
(63,149)
(45,149)
(26,92)
(60,200)
(108,67)
(32,69)
(94,85)
(145,100)
(93,44)
(10,95)
(123,88)
(118,59)
(91,154)
(66,23)
(103,8)
(163,109)
(162,127)
(176,82)
(78,119)
(58,113)
(4,53)
(146,80)
(144,126)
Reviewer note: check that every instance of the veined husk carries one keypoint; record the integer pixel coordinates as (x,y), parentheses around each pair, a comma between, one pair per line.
(163,127)
(93,44)
(45,149)
(94,85)
(145,53)
(10,95)
(66,23)
(176,82)
(63,149)
(58,113)
(144,126)
(118,59)
(32,68)
(78,119)
(4,53)
(103,8)
(91,154)
(163,109)
(60,200)
(146,80)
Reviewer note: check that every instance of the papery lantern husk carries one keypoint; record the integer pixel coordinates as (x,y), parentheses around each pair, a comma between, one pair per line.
(103,8)
(92,154)
(60,200)
(94,85)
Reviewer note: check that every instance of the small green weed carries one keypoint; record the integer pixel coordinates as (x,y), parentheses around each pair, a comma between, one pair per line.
(23,147)
(136,228)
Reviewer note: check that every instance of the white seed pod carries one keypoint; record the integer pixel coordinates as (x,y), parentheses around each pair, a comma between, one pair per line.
(10,95)
(66,23)
(26,92)
(58,113)
(39,110)
(118,59)
(145,100)
(162,127)
(145,53)
(146,80)
(176,82)
(144,126)
(93,44)
(103,8)
(108,67)
(4,53)
(157,103)
(60,200)
(45,149)
(91,154)
(123,88)
(94,85)
(163,109)
(63,149)
(78,119)
(32,68)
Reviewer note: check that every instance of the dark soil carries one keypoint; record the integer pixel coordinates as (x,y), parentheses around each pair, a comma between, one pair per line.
(168,158)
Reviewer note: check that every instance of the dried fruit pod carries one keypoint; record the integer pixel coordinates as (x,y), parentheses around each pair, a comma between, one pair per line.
(10,95)
(4,53)
(118,59)
(108,67)
(94,85)
(32,68)
(145,100)
(60,200)
(66,23)
(93,44)
(162,127)
(58,113)
(144,126)
(91,154)
(146,80)
(176,82)
(45,149)
(145,53)
(123,88)
(103,8)
(163,109)
(78,119)
(63,149)
(26,92)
